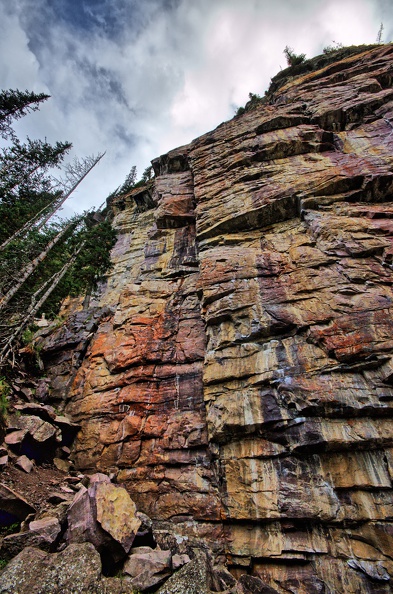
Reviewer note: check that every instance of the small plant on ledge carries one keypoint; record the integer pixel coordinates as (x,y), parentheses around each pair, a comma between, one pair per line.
(292,58)
(4,403)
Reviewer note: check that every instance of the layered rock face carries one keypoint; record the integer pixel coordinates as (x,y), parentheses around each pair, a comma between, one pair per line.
(241,380)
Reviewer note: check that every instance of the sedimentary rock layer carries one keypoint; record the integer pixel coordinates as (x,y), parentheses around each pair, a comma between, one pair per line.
(241,383)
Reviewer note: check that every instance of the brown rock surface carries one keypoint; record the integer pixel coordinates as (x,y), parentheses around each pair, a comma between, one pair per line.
(240,381)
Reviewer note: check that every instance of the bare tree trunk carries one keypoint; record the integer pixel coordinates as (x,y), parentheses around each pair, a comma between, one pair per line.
(36,305)
(34,263)
(85,170)
(53,207)
(26,227)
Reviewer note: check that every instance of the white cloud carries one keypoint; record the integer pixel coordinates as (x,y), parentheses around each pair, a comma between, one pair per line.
(18,66)
(137,79)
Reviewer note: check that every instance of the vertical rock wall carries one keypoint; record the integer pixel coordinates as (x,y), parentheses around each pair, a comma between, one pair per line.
(242,386)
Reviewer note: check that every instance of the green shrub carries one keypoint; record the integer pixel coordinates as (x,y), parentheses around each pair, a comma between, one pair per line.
(292,58)
(6,530)
(329,49)
(4,393)
(27,336)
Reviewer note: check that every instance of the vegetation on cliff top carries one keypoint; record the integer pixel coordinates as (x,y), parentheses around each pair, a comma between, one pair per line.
(298,65)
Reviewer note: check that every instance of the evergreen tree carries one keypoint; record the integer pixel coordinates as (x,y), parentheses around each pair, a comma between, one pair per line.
(15,104)
(41,260)
(25,186)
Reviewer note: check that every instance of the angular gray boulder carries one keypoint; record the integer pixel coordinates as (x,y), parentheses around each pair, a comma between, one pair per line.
(75,570)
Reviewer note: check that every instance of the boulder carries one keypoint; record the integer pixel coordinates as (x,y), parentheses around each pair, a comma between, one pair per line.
(68,429)
(179,560)
(59,511)
(63,465)
(225,577)
(15,438)
(56,497)
(13,507)
(24,463)
(148,567)
(196,577)
(35,438)
(45,412)
(77,569)
(48,528)
(41,431)
(249,584)
(41,533)
(116,513)
(3,457)
(104,515)
(42,390)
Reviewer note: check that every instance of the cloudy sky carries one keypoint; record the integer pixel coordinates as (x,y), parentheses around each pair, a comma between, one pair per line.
(137,78)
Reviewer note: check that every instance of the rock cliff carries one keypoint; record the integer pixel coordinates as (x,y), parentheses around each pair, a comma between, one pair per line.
(237,373)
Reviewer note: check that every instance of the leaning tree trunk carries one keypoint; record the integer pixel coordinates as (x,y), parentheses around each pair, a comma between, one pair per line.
(36,305)
(54,206)
(28,271)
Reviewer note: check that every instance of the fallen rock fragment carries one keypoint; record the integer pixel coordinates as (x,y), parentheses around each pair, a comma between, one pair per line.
(147,567)
(179,560)
(42,390)
(24,463)
(57,497)
(13,507)
(35,438)
(249,584)
(67,490)
(116,513)
(45,412)
(48,528)
(59,512)
(77,569)
(68,429)
(104,515)
(15,438)
(41,533)
(225,577)
(63,465)
(41,431)
(3,457)
(196,577)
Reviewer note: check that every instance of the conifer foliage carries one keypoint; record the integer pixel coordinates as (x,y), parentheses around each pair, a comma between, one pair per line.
(42,258)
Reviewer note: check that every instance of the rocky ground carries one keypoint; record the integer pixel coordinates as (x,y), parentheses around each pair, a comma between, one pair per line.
(64,531)
(38,485)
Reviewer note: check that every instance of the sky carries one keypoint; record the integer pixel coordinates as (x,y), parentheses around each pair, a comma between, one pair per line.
(137,78)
